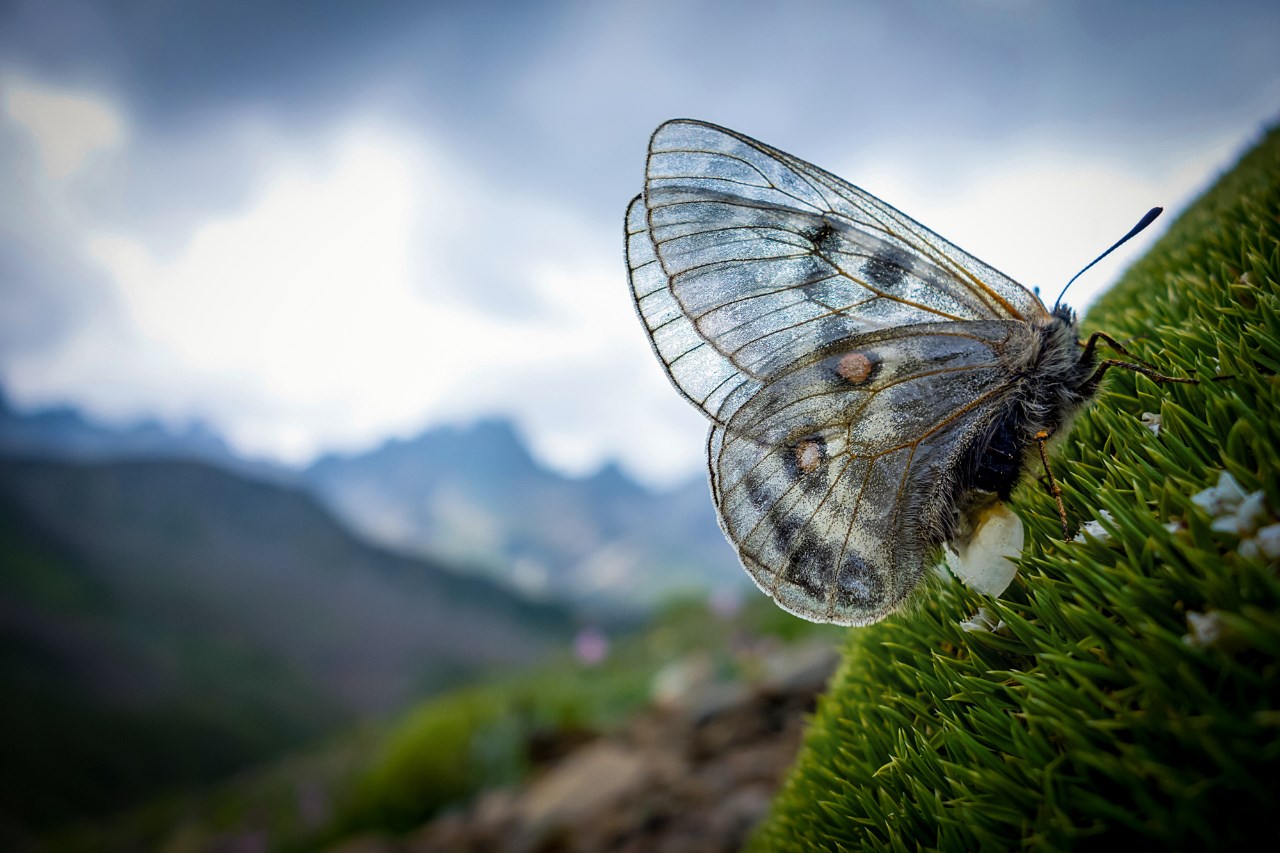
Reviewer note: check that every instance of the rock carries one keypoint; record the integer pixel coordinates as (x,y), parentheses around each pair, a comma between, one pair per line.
(586,783)
(675,681)
(693,774)
(799,669)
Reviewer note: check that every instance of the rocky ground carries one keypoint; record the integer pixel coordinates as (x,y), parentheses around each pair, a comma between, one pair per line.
(696,772)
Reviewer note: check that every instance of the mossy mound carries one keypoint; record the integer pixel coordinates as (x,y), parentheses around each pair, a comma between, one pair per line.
(1133,692)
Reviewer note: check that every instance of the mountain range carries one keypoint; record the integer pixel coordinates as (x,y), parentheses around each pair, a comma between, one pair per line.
(471,494)
(601,542)
(164,621)
(171,612)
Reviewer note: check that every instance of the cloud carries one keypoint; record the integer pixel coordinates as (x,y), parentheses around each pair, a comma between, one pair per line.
(364,280)
(54,143)
(318,237)
(339,305)
(1038,210)
(67,128)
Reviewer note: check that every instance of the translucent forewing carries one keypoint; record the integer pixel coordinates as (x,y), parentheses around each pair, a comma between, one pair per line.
(770,257)
(702,375)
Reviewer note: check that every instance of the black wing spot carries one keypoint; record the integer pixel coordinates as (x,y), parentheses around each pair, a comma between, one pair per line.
(756,493)
(887,270)
(810,566)
(819,236)
(858,585)
(785,527)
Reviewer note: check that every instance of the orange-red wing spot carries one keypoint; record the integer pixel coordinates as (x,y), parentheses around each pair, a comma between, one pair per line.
(808,456)
(854,367)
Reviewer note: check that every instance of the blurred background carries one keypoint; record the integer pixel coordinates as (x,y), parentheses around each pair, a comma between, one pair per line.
(329,440)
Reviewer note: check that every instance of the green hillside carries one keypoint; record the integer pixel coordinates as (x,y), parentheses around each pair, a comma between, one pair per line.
(1132,694)
(374,787)
(165,623)
(67,747)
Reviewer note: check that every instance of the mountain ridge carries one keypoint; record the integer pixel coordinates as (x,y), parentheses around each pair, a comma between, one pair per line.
(603,542)
(166,621)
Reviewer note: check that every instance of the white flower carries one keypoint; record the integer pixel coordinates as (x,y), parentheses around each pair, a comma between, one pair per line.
(1268,539)
(1264,544)
(1095,529)
(1243,518)
(1206,628)
(1225,496)
(1252,511)
(1242,515)
(982,622)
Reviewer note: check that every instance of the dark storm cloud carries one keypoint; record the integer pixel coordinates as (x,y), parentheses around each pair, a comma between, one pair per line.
(555,100)
(296,59)
(187,73)
(535,117)
(559,97)
(837,70)
(45,296)
(829,79)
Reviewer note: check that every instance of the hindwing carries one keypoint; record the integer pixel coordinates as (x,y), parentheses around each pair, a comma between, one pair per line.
(835,493)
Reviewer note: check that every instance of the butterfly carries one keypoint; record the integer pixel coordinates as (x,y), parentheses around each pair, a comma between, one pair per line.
(872,388)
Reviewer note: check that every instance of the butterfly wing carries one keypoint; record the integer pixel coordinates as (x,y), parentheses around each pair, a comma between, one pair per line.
(836,493)
(769,257)
(848,357)
(697,369)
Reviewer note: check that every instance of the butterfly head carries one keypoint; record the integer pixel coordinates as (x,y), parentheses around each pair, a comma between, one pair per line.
(1064,314)
(1058,331)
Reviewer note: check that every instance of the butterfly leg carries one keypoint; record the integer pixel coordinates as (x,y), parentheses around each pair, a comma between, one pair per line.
(1091,384)
(1054,489)
(1092,344)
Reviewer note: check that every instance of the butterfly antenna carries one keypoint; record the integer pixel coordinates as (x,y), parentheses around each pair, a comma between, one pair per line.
(1137,229)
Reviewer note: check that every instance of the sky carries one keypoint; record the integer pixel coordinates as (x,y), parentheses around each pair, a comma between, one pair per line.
(317,226)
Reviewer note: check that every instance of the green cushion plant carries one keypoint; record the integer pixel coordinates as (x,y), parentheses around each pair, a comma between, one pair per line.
(1133,691)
